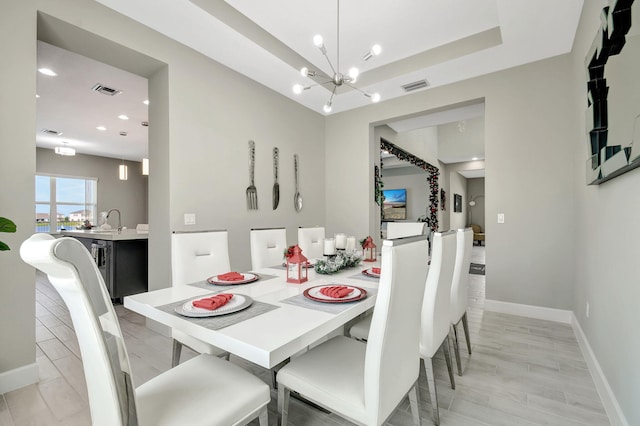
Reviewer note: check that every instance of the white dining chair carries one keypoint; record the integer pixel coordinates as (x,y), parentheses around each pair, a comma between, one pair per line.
(435,315)
(196,256)
(267,247)
(404,229)
(364,383)
(311,241)
(460,290)
(436,311)
(205,390)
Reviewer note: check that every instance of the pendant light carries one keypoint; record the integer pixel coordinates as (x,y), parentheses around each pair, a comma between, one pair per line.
(123,171)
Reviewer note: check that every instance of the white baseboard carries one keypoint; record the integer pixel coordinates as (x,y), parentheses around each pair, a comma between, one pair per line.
(19,377)
(611,406)
(529,311)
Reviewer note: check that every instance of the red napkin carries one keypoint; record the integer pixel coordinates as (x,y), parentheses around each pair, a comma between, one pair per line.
(375,270)
(231,276)
(213,302)
(336,291)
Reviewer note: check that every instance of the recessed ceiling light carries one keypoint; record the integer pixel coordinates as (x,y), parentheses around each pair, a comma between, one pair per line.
(47,71)
(146,102)
(123,117)
(102,128)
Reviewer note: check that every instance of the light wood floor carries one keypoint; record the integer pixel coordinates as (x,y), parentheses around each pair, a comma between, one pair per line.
(522,372)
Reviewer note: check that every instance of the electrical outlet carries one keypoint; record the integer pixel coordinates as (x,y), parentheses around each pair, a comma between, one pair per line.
(189,219)
(500,217)
(586,310)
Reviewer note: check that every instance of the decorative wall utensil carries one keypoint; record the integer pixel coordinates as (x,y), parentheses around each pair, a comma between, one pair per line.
(276,186)
(297,198)
(252,193)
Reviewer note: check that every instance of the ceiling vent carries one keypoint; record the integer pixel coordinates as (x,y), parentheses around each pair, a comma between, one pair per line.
(420,84)
(50,132)
(105,90)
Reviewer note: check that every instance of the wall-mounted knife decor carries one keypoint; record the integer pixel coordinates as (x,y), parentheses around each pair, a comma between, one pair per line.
(276,186)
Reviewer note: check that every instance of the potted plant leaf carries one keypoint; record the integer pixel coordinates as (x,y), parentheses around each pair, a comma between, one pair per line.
(6,225)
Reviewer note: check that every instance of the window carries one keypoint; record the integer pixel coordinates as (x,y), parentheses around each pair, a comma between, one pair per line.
(65,202)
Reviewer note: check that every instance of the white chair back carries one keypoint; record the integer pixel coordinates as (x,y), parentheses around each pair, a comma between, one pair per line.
(460,282)
(392,356)
(436,306)
(311,241)
(196,256)
(267,247)
(73,273)
(404,229)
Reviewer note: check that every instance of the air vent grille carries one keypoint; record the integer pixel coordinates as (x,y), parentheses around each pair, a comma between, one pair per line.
(105,90)
(420,84)
(50,132)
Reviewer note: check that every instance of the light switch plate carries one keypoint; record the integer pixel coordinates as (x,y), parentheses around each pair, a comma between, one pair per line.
(189,219)
(500,217)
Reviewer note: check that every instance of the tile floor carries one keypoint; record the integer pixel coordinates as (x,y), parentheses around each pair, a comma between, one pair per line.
(522,372)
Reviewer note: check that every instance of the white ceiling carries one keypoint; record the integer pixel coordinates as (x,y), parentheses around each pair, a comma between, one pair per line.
(442,41)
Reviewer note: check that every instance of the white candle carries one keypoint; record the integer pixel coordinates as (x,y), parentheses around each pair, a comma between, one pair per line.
(341,241)
(329,246)
(351,243)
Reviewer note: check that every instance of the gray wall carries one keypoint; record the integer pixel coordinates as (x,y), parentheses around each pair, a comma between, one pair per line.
(533,124)
(605,238)
(129,196)
(202,116)
(457,185)
(17,168)
(475,188)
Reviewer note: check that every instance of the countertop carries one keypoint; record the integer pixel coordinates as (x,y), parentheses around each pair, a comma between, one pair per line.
(111,235)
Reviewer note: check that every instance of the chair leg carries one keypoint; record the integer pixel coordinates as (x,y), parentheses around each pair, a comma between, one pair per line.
(431,381)
(283,404)
(447,357)
(263,417)
(465,325)
(456,348)
(175,357)
(414,400)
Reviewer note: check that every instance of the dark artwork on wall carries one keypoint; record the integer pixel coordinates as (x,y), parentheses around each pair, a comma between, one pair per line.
(613,95)
(457,203)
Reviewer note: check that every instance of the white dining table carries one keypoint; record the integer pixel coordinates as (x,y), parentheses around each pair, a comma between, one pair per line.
(268,338)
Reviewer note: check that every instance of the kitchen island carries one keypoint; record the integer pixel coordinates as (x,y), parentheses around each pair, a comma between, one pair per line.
(121,257)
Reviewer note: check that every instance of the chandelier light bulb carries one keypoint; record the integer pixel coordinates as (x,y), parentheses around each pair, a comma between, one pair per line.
(376,49)
(297,89)
(375,98)
(304,71)
(327,107)
(353,73)
(318,40)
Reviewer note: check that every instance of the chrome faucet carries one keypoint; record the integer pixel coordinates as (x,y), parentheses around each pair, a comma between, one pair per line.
(119,217)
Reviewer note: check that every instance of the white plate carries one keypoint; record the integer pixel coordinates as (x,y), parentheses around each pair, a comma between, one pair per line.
(247,277)
(315,292)
(369,273)
(237,303)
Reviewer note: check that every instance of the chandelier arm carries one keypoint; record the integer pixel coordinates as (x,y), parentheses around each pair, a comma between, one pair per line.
(319,84)
(355,88)
(333,92)
(324,52)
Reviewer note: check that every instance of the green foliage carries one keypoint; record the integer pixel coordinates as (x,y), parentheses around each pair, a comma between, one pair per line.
(335,263)
(6,225)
